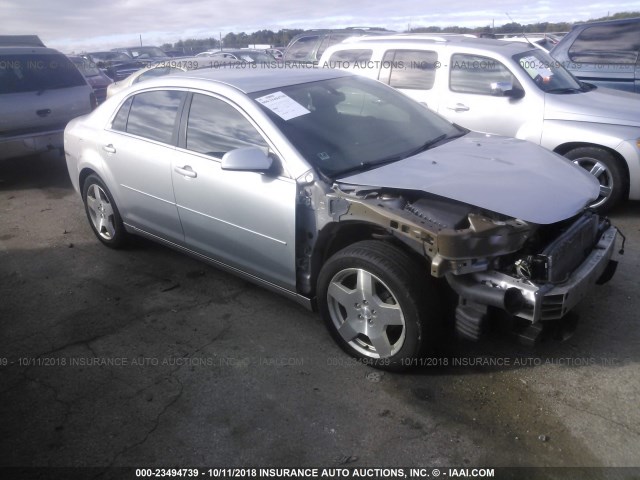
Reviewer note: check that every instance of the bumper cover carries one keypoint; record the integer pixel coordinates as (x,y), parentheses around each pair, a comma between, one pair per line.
(550,301)
(31,143)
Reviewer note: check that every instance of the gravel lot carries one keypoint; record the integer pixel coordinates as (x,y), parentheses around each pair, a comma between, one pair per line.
(145,357)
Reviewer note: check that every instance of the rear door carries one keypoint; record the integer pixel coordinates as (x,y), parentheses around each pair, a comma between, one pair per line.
(413,72)
(137,151)
(243,219)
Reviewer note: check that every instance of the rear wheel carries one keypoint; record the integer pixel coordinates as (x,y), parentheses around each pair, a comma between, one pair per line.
(372,298)
(606,169)
(103,213)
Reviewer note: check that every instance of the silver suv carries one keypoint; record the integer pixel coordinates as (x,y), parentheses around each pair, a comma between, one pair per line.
(512,89)
(40,91)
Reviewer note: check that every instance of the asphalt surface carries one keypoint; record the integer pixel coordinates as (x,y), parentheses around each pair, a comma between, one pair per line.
(145,357)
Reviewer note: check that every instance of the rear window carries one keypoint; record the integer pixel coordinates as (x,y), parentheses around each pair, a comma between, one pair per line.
(150,115)
(410,69)
(349,58)
(38,72)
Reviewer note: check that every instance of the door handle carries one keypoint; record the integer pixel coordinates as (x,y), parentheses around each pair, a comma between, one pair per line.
(458,107)
(186,171)
(109,148)
(44,112)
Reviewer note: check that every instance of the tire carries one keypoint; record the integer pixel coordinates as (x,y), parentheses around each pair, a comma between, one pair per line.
(103,213)
(607,170)
(352,313)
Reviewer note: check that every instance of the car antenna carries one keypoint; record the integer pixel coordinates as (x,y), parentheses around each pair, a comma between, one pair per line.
(523,34)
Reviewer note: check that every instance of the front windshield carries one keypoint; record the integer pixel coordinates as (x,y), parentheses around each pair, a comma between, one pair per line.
(349,124)
(548,74)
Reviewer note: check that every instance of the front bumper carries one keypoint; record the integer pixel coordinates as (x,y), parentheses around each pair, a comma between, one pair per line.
(549,301)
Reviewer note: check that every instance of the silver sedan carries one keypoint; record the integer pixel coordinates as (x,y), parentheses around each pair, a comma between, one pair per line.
(340,192)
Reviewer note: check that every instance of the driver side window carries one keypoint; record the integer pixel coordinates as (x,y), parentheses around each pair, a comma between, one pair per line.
(215,128)
(475,74)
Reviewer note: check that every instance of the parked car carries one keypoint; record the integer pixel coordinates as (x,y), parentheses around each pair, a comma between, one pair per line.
(40,91)
(242,54)
(308,47)
(544,42)
(116,65)
(512,89)
(170,66)
(95,77)
(145,55)
(276,53)
(338,191)
(606,53)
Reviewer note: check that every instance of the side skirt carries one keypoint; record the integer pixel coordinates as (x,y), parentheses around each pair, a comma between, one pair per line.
(296,297)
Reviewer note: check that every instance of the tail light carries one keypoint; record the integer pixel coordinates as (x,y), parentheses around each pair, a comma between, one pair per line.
(93,100)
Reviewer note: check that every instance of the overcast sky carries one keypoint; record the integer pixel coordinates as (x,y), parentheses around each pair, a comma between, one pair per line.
(78,25)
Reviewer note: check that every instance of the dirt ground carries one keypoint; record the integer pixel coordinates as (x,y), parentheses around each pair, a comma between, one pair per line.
(145,357)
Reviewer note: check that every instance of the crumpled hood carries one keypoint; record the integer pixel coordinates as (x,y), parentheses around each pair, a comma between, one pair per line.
(508,176)
(602,105)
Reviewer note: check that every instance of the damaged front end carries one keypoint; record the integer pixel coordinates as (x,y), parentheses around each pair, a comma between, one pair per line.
(531,271)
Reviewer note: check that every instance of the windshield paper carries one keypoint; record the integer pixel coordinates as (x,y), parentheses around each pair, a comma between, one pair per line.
(282,105)
(536,68)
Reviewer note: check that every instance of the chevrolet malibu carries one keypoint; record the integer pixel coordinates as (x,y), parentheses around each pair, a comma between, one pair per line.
(346,196)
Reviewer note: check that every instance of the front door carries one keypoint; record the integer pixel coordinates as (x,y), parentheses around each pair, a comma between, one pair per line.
(474,99)
(244,219)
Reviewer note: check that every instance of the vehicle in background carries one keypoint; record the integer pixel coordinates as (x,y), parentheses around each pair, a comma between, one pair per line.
(174,53)
(543,41)
(40,91)
(511,89)
(308,47)
(116,65)
(340,192)
(243,54)
(95,77)
(276,53)
(606,53)
(170,66)
(146,55)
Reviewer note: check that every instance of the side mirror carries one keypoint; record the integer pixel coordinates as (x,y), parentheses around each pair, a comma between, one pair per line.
(505,89)
(250,159)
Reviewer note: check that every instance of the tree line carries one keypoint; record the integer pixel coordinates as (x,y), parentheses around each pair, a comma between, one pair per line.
(282,37)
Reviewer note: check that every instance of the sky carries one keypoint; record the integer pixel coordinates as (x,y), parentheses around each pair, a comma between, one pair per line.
(89,25)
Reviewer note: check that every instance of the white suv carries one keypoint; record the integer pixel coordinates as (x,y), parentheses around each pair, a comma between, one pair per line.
(511,89)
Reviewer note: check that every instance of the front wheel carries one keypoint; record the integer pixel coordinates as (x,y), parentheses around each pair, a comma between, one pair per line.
(373,298)
(103,213)
(606,169)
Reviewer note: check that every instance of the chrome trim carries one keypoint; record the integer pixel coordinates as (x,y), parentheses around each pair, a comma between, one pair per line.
(147,194)
(234,225)
(296,297)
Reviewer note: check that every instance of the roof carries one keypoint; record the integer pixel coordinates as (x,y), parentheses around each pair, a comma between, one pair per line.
(503,46)
(250,80)
(617,21)
(21,41)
